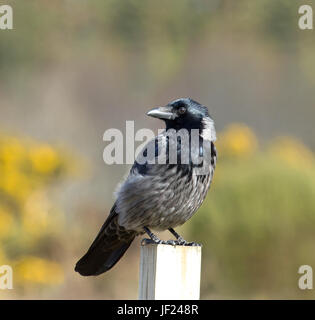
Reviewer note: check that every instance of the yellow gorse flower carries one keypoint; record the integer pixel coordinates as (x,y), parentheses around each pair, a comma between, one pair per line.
(15,183)
(237,140)
(35,270)
(27,216)
(12,152)
(44,159)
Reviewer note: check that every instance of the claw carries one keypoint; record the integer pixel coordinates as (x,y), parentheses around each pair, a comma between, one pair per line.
(146,241)
(193,244)
(181,241)
(178,242)
(171,242)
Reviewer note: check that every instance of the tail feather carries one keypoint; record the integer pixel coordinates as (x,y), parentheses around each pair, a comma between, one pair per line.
(108,247)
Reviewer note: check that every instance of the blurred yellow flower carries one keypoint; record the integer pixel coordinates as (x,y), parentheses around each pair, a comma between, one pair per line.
(34,270)
(6,223)
(24,168)
(12,152)
(293,152)
(44,159)
(237,140)
(15,183)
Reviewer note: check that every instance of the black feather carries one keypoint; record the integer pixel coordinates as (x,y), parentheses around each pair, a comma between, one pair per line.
(106,250)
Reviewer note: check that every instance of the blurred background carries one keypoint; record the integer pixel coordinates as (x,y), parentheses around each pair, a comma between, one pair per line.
(72,69)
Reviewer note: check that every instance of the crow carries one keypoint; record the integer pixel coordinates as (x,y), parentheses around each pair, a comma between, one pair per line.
(159,194)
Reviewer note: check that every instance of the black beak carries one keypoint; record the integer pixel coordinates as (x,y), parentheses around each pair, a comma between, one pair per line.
(162,113)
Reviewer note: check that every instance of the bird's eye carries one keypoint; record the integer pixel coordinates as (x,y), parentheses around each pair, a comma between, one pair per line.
(181,110)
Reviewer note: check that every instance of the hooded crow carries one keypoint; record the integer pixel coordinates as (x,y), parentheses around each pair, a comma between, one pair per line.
(165,187)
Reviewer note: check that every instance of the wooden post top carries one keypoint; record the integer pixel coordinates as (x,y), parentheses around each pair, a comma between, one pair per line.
(169,272)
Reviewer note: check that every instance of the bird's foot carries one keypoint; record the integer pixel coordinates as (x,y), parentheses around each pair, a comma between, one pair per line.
(182,242)
(178,242)
(193,244)
(146,241)
(171,242)
(154,239)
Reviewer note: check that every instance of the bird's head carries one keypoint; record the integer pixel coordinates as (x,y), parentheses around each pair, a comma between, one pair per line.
(186,113)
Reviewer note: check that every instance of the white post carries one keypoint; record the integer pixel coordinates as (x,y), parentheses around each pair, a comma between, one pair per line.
(169,272)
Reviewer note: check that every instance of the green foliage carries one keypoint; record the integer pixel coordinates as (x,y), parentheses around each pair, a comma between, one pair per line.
(160,31)
(257,225)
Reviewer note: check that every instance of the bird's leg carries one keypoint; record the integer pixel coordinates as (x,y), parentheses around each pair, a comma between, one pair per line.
(152,236)
(155,239)
(180,240)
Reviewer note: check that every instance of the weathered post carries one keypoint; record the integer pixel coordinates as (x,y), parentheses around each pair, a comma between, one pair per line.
(169,272)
